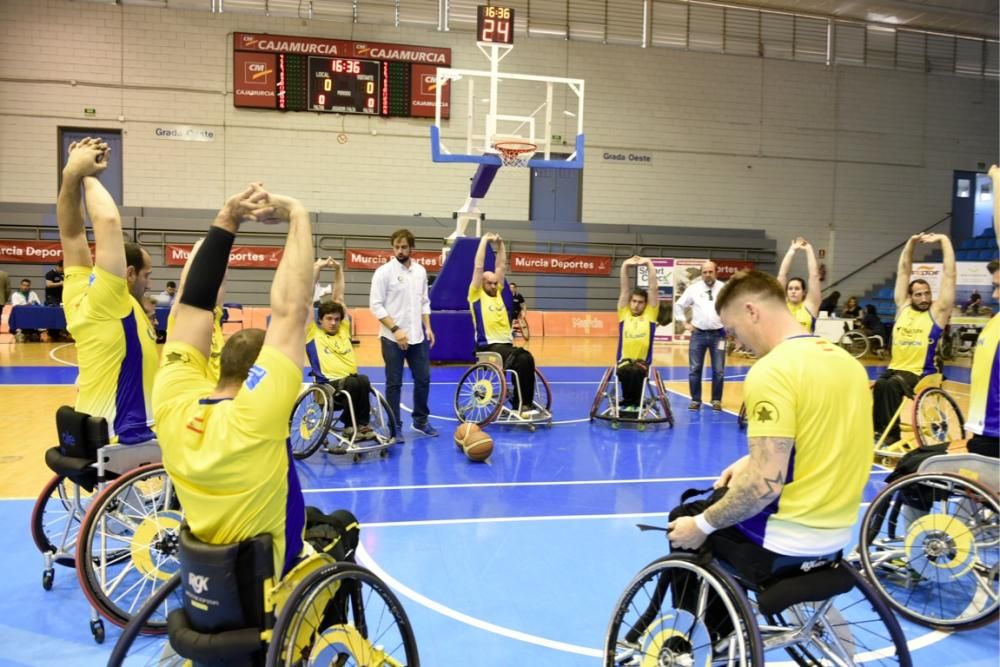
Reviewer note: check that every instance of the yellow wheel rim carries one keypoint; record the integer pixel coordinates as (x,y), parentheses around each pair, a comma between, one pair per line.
(144,541)
(483,391)
(943,541)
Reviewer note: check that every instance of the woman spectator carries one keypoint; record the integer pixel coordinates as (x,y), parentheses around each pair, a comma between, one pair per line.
(851,310)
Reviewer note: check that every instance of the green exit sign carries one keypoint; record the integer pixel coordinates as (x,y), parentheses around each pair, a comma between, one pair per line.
(89,111)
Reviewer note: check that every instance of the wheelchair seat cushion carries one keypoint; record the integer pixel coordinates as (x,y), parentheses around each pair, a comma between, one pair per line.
(80,470)
(814,586)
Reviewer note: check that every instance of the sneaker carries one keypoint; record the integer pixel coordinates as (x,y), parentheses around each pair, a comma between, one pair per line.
(528,413)
(717,406)
(694,406)
(366,433)
(19,337)
(348,431)
(425,428)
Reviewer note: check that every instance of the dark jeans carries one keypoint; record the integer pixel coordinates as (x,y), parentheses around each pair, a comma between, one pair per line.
(702,341)
(890,389)
(522,363)
(631,374)
(419,360)
(359,388)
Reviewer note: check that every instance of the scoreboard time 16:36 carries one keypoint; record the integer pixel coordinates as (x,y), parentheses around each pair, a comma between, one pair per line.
(345,85)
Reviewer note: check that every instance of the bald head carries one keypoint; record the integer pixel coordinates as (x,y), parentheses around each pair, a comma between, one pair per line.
(490,285)
(708,273)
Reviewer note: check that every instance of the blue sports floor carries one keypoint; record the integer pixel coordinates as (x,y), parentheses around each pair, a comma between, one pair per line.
(517,561)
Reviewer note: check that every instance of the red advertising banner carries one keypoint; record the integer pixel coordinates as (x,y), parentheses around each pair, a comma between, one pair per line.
(542,262)
(312,46)
(423,92)
(254,76)
(31,252)
(725,268)
(367,258)
(241,256)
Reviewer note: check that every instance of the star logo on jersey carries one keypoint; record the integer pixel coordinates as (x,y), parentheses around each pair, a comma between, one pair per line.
(765,412)
(175,358)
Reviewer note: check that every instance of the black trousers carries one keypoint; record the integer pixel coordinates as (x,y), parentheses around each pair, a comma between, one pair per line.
(522,363)
(358,387)
(890,390)
(631,374)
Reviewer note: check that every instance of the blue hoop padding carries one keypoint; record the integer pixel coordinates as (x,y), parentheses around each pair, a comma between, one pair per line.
(489,159)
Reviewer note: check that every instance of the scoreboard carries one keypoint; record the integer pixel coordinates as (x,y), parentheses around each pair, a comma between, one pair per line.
(287,73)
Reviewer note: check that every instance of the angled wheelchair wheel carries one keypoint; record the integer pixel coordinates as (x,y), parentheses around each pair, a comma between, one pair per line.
(525,331)
(661,396)
(133,648)
(56,517)
(543,392)
(856,627)
(380,417)
(343,615)
(937,418)
(855,342)
(601,396)
(128,546)
(680,612)
(930,543)
(480,394)
(311,419)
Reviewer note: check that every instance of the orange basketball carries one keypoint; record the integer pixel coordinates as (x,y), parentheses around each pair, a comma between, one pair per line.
(464,432)
(478,446)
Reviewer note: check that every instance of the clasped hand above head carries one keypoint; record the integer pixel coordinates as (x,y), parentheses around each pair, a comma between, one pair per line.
(255,204)
(87,157)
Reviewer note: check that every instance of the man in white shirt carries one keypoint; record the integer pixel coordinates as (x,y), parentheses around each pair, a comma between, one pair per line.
(25,297)
(167,296)
(707,334)
(399,300)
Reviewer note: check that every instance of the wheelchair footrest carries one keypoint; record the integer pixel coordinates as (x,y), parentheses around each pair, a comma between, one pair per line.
(808,587)
(229,647)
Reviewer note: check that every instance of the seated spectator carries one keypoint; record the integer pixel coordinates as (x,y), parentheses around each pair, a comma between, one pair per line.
(167,296)
(974,304)
(852,310)
(25,297)
(829,304)
(871,323)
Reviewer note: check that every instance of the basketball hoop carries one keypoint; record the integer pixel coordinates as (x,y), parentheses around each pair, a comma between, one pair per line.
(515,153)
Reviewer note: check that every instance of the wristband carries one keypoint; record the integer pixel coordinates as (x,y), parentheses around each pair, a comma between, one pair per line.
(703,524)
(394,328)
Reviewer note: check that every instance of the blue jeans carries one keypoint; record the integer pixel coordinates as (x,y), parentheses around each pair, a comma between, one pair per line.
(419,359)
(702,341)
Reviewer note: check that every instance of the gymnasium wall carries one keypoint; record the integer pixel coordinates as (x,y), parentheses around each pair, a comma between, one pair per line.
(853,158)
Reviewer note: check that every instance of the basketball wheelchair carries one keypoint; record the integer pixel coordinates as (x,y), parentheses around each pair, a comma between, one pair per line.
(483,394)
(110,513)
(653,407)
(233,612)
(935,419)
(690,610)
(857,343)
(930,542)
(320,417)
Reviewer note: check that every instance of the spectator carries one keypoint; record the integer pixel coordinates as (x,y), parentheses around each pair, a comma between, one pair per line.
(829,304)
(167,296)
(25,297)
(517,299)
(54,285)
(852,310)
(974,303)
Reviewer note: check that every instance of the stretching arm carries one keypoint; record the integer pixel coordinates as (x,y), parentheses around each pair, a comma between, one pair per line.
(903,270)
(292,289)
(88,157)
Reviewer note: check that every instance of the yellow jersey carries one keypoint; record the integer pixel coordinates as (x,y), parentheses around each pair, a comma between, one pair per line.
(229,459)
(813,391)
(489,317)
(984,400)
(915,339)
(331,356)
(116,352)
(802,316)
(218,340)
(635,334)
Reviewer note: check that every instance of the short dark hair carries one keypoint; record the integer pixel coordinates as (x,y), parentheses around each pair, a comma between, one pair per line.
(239,354)
(60,262)
(512,284)
(133,256)
(640,291)
(404,234)
(331,307)
(993,266)
(909,288)
(753,282)
(26,280)
(171,283)
(805,289)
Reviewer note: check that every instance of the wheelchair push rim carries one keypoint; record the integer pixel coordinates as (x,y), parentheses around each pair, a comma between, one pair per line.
(310,421)
(480,394)
(937,418)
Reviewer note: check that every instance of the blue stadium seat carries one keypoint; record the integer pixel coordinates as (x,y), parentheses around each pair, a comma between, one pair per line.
(964,255)
(990,233)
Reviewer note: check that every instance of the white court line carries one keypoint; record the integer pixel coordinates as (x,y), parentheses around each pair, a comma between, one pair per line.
(511,519)
(53,357)
(412,487)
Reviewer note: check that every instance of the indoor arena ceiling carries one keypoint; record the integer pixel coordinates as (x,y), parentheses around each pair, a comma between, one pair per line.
(970,17)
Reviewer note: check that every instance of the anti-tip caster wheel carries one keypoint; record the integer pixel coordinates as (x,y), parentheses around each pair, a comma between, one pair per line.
(642,427)
(97,629)
(384,453)
(614,425)
(47,577)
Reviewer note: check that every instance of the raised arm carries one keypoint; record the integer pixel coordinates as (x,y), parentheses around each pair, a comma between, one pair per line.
(945,301)
(330,262)
(292,289)
(814,294)
(654,286)
(480,261)
(87,157)
(786,263)
(903,270)
(339,282)
(110,246)
(995,175)
(206,267)
(500,268)
(624,285)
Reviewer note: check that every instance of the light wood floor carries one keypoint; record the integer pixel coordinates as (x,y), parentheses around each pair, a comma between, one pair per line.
(28,428)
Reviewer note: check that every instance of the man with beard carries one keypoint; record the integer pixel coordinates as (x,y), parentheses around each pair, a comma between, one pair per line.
(707,335)
(920,321)
(399,300)
(492,323)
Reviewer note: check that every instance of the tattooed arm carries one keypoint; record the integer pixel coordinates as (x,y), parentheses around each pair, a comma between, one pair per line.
(753,487)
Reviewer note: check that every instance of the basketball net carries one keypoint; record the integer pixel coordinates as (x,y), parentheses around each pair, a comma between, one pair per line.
(515,153)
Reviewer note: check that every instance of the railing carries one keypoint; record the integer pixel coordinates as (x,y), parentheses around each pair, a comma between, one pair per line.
(888,252)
